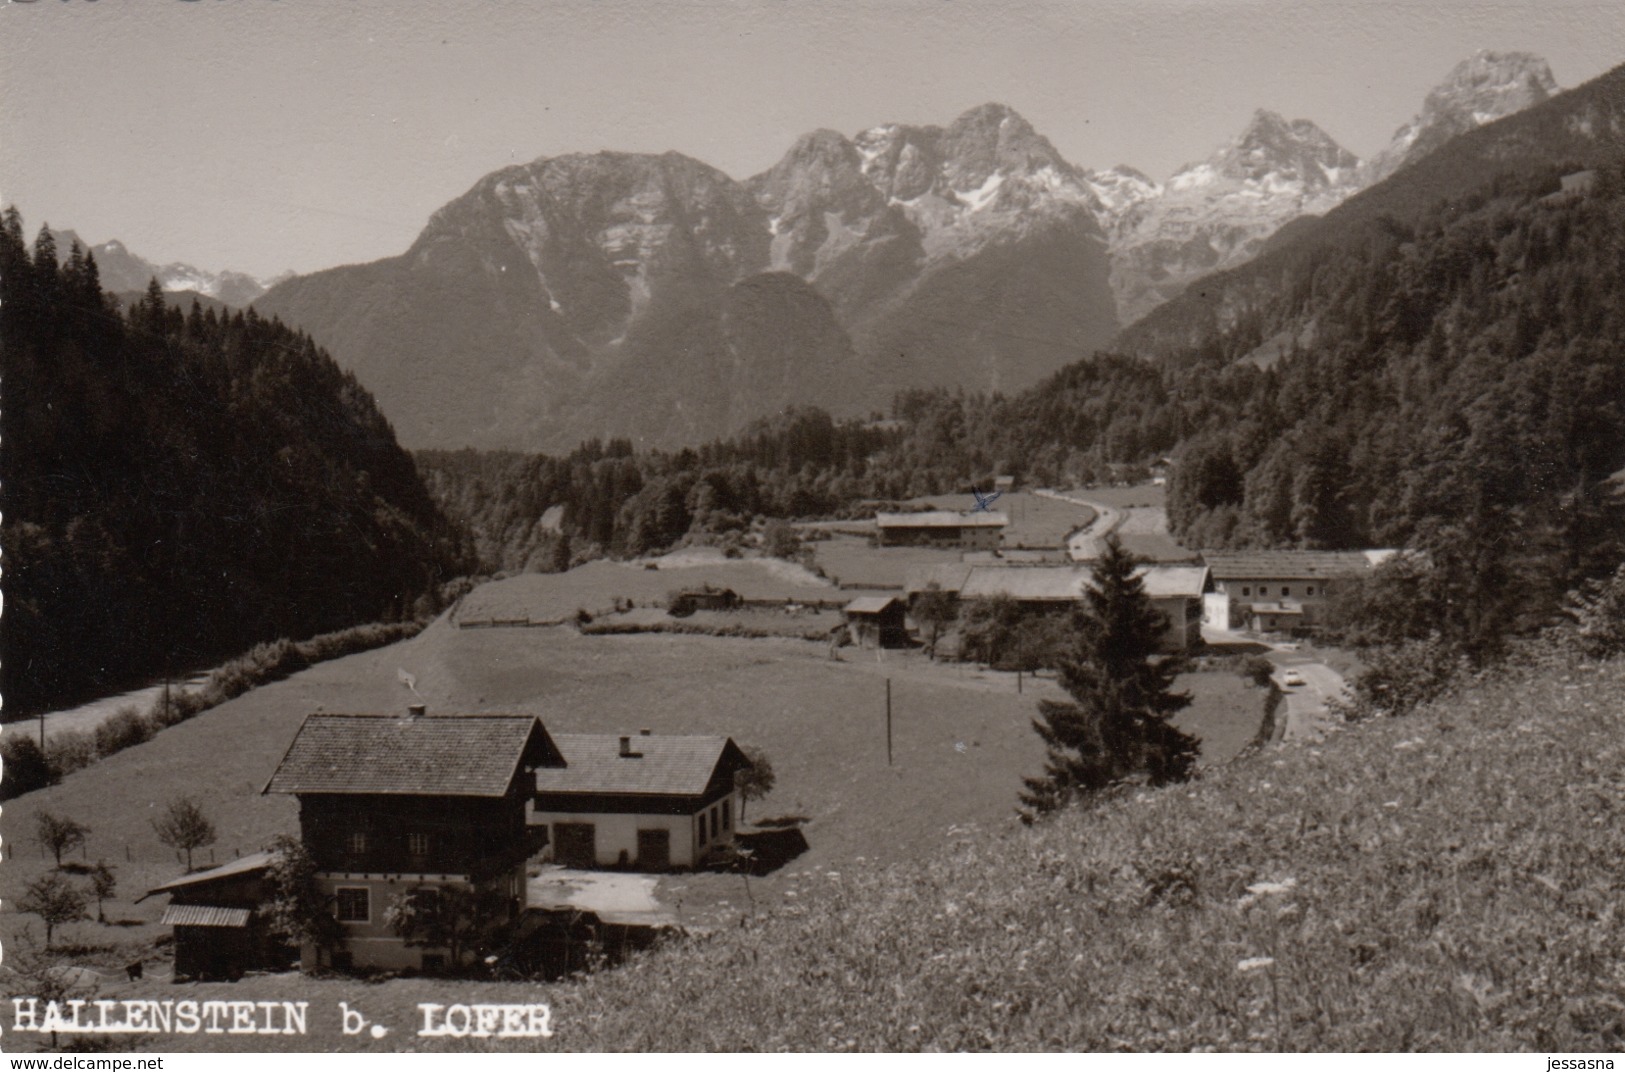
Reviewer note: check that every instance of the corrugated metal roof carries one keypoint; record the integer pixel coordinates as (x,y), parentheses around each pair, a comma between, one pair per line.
(202,915)
(457,755)
(1285,565)
(870,604)
(943,519)
(671,766)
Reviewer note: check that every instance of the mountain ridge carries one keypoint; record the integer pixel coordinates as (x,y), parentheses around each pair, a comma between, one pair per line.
(583,295)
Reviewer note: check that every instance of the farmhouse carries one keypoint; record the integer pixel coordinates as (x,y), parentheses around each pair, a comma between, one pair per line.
(979,530)
(877,621)
(391,806)
(639,801)
(219,921)
(1271,591)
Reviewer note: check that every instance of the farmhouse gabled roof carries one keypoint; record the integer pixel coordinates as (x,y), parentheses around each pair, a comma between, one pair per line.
(1164,582)
(1285,565)
(443,755)
(943,519)
(663,766)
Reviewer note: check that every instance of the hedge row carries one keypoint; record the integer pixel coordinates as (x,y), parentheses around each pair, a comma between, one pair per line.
(28,768)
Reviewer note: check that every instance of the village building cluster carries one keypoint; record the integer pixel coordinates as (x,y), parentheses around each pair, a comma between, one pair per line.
(434,819)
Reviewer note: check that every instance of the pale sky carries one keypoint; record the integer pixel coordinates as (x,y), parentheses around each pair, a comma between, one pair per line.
(263,135)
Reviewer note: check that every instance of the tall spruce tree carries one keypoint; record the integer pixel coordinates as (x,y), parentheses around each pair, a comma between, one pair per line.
(1117,724)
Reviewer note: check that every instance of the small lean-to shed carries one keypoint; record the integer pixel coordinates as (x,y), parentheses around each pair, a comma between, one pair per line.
(877,621)
(220,922)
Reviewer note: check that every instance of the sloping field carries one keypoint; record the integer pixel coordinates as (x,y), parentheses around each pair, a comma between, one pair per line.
(1449,881)
(962,740)
(850,560)
(1137,495)
(596,586)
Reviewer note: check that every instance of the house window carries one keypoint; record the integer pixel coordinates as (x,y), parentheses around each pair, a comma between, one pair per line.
(1286,590)
(727,819)
(702,828)
(1246,589)
(713,822)
(354,904)
(417,844)
(1309,591)
(356,842)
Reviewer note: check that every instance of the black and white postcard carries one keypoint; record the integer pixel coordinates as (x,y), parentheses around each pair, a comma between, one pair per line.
(812,525)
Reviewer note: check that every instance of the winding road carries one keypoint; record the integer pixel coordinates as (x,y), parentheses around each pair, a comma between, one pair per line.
(1084,544)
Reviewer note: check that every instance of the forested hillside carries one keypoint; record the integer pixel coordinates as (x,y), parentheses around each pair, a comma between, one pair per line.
(179,487)
(615,501)
(1450,384)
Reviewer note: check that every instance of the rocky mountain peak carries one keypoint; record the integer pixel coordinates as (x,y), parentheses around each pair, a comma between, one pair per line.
(1275,151)
(1498,83)
(1480,89)
(122,271)
(993,138)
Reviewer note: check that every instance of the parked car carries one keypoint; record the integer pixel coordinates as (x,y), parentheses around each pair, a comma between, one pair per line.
(1291,679)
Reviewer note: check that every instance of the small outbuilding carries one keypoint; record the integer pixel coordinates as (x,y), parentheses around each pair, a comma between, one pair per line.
(220,924)
(686,601)
(877,621)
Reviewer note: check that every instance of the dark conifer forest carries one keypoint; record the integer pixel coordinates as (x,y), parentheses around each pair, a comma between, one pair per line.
(179,487)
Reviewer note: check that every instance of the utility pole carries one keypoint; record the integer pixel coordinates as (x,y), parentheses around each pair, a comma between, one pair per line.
(888,722)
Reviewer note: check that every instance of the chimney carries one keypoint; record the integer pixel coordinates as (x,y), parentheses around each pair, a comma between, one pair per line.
(626,746)
(417,710)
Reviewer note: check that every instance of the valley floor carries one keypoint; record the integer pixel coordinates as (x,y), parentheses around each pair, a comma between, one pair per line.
(962,740)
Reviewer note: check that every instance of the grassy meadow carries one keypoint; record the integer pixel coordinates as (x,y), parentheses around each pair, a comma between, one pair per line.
(1448,881)
(1451,881)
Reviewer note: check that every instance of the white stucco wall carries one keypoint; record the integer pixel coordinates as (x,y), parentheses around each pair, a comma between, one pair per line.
(617,833)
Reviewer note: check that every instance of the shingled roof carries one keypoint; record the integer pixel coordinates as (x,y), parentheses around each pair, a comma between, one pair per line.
(665,766)
(450,755)
(1286,565)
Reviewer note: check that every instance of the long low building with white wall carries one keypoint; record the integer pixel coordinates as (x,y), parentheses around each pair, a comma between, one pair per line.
(652,803)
